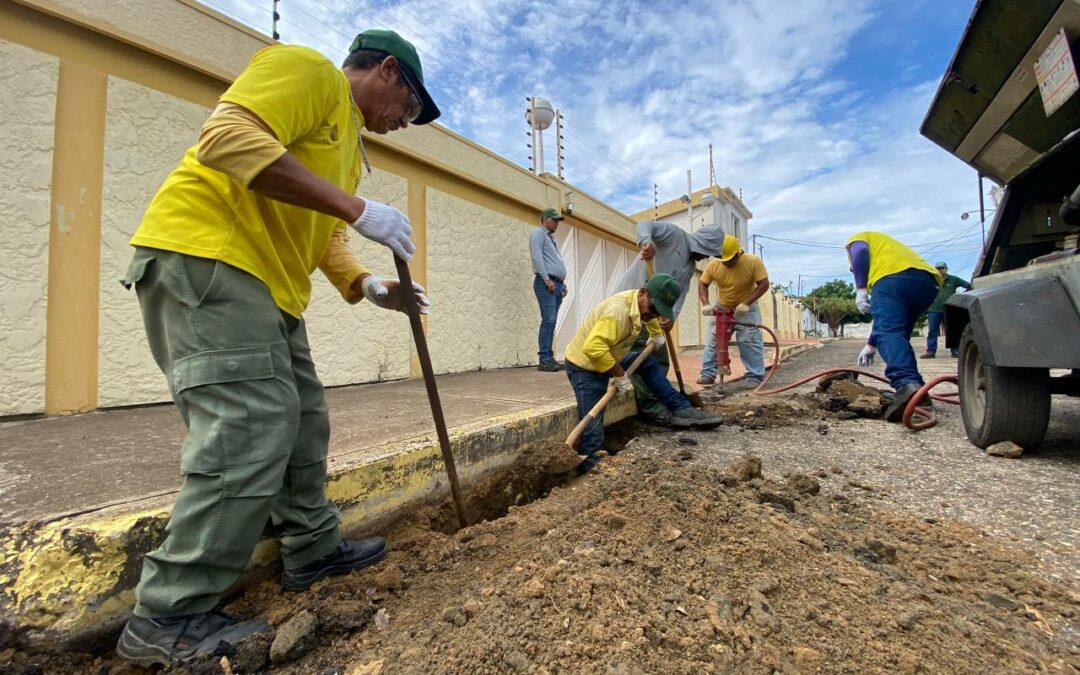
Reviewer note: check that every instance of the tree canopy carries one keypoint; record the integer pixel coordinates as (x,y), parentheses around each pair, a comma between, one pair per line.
(834,304)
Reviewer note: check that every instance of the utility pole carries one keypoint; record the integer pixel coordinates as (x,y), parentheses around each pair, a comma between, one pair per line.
(655,202)
(712,169)
(689,204)
(277,17)
(559,143)
(982,210)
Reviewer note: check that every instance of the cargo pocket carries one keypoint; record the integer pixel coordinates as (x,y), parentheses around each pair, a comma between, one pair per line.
(138,267)
(241,419)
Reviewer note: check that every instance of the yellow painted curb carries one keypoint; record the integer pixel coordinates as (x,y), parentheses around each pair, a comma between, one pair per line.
(73,578)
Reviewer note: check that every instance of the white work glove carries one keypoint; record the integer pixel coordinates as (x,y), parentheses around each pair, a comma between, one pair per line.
(866,356)
(386,225)
(862,300)
(742,310)
(657,340)
(377,292)
(622,384)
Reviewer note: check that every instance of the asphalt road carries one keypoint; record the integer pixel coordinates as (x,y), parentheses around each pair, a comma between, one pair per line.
(1033,501)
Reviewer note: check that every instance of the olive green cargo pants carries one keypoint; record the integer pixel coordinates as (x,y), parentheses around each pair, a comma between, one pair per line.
(241,374)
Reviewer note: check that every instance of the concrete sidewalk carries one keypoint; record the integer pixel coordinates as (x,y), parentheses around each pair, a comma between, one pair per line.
(60,466)
(83,498)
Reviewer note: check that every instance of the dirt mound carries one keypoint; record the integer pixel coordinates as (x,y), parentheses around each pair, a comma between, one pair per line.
(661,566)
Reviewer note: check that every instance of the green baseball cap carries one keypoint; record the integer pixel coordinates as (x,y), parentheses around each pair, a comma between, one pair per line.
(551,213)
(393,44)
(942,265)
(664,293)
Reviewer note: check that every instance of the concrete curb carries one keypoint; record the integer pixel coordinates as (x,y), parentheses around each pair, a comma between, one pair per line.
(73,577)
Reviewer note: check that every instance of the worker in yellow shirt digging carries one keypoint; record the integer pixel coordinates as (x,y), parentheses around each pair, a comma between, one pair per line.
(600,351)
(222,266)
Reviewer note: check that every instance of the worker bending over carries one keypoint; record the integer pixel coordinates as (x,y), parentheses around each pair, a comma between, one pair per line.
(600,352)
(671,250)
(896,286)
(222,266)
(740,280)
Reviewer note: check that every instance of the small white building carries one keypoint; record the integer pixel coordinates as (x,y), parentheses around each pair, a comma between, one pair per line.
(727,210)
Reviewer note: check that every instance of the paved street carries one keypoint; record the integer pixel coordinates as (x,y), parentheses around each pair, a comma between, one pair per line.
(1033,501)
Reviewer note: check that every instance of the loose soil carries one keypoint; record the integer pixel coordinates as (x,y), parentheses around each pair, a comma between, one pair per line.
(653,564)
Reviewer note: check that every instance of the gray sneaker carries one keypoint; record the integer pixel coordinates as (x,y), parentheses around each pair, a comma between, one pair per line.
(150,642)
(692,418)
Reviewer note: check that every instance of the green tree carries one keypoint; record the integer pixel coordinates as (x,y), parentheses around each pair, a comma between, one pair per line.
(834,304)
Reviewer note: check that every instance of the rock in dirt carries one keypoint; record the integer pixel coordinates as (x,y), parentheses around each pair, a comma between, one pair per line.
(1002,602)
(826,383)
(615,521)
(885,552)
(776,499)
(671,533)
(844,415)
(834,404)
(390,578)
(366,668)
(294,638)
(745,468)
(516,662)
(455,615)
(533,588)
(803,484)
(472,607)
(867,405)
(1005,449)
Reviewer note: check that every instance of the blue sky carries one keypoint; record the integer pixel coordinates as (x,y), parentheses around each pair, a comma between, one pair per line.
(812,106)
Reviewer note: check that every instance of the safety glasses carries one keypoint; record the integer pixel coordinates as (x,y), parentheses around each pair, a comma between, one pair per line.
(415,106)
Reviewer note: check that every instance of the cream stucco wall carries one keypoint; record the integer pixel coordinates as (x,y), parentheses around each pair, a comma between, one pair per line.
(28,82)
(361,343)
(181,29)
(146,133)
(480,278)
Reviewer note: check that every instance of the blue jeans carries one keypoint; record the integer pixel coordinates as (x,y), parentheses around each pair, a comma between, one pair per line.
(896,302)
(932,331)
(589,387)
(549,311)
(750,342)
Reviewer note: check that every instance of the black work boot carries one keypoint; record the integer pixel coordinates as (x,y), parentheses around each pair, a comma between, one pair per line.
(692,418)
(894,412)
(149,642)
(348,556)
(548,367)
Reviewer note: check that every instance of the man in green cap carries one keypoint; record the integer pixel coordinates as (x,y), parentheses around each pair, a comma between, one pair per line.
(222,268)
(936,314)
(548,284)
(600,352)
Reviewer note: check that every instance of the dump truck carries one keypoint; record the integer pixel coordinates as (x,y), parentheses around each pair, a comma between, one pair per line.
(1009,107)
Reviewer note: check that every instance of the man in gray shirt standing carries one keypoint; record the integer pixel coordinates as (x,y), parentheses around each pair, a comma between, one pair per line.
(547,284)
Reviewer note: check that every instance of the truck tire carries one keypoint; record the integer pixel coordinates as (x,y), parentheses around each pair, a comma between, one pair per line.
(1001,404)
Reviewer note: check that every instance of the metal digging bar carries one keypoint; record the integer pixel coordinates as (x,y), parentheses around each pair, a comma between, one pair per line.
(408,301)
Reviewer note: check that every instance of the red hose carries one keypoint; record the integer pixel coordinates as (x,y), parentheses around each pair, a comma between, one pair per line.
(912,410)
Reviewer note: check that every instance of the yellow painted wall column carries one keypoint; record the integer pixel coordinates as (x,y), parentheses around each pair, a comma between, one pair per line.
(418,267)
(71,334)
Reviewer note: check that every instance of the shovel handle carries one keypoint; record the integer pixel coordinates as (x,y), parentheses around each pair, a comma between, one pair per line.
(593,414)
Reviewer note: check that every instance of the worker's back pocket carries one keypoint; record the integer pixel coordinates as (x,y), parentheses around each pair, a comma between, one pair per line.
(139,267)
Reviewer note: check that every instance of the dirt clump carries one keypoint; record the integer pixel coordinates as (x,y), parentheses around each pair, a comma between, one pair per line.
(655,565)
(842,392)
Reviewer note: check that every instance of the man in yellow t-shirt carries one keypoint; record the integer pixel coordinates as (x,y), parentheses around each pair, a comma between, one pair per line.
(896,286)
(222,269)
(601,351)
(740,278)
